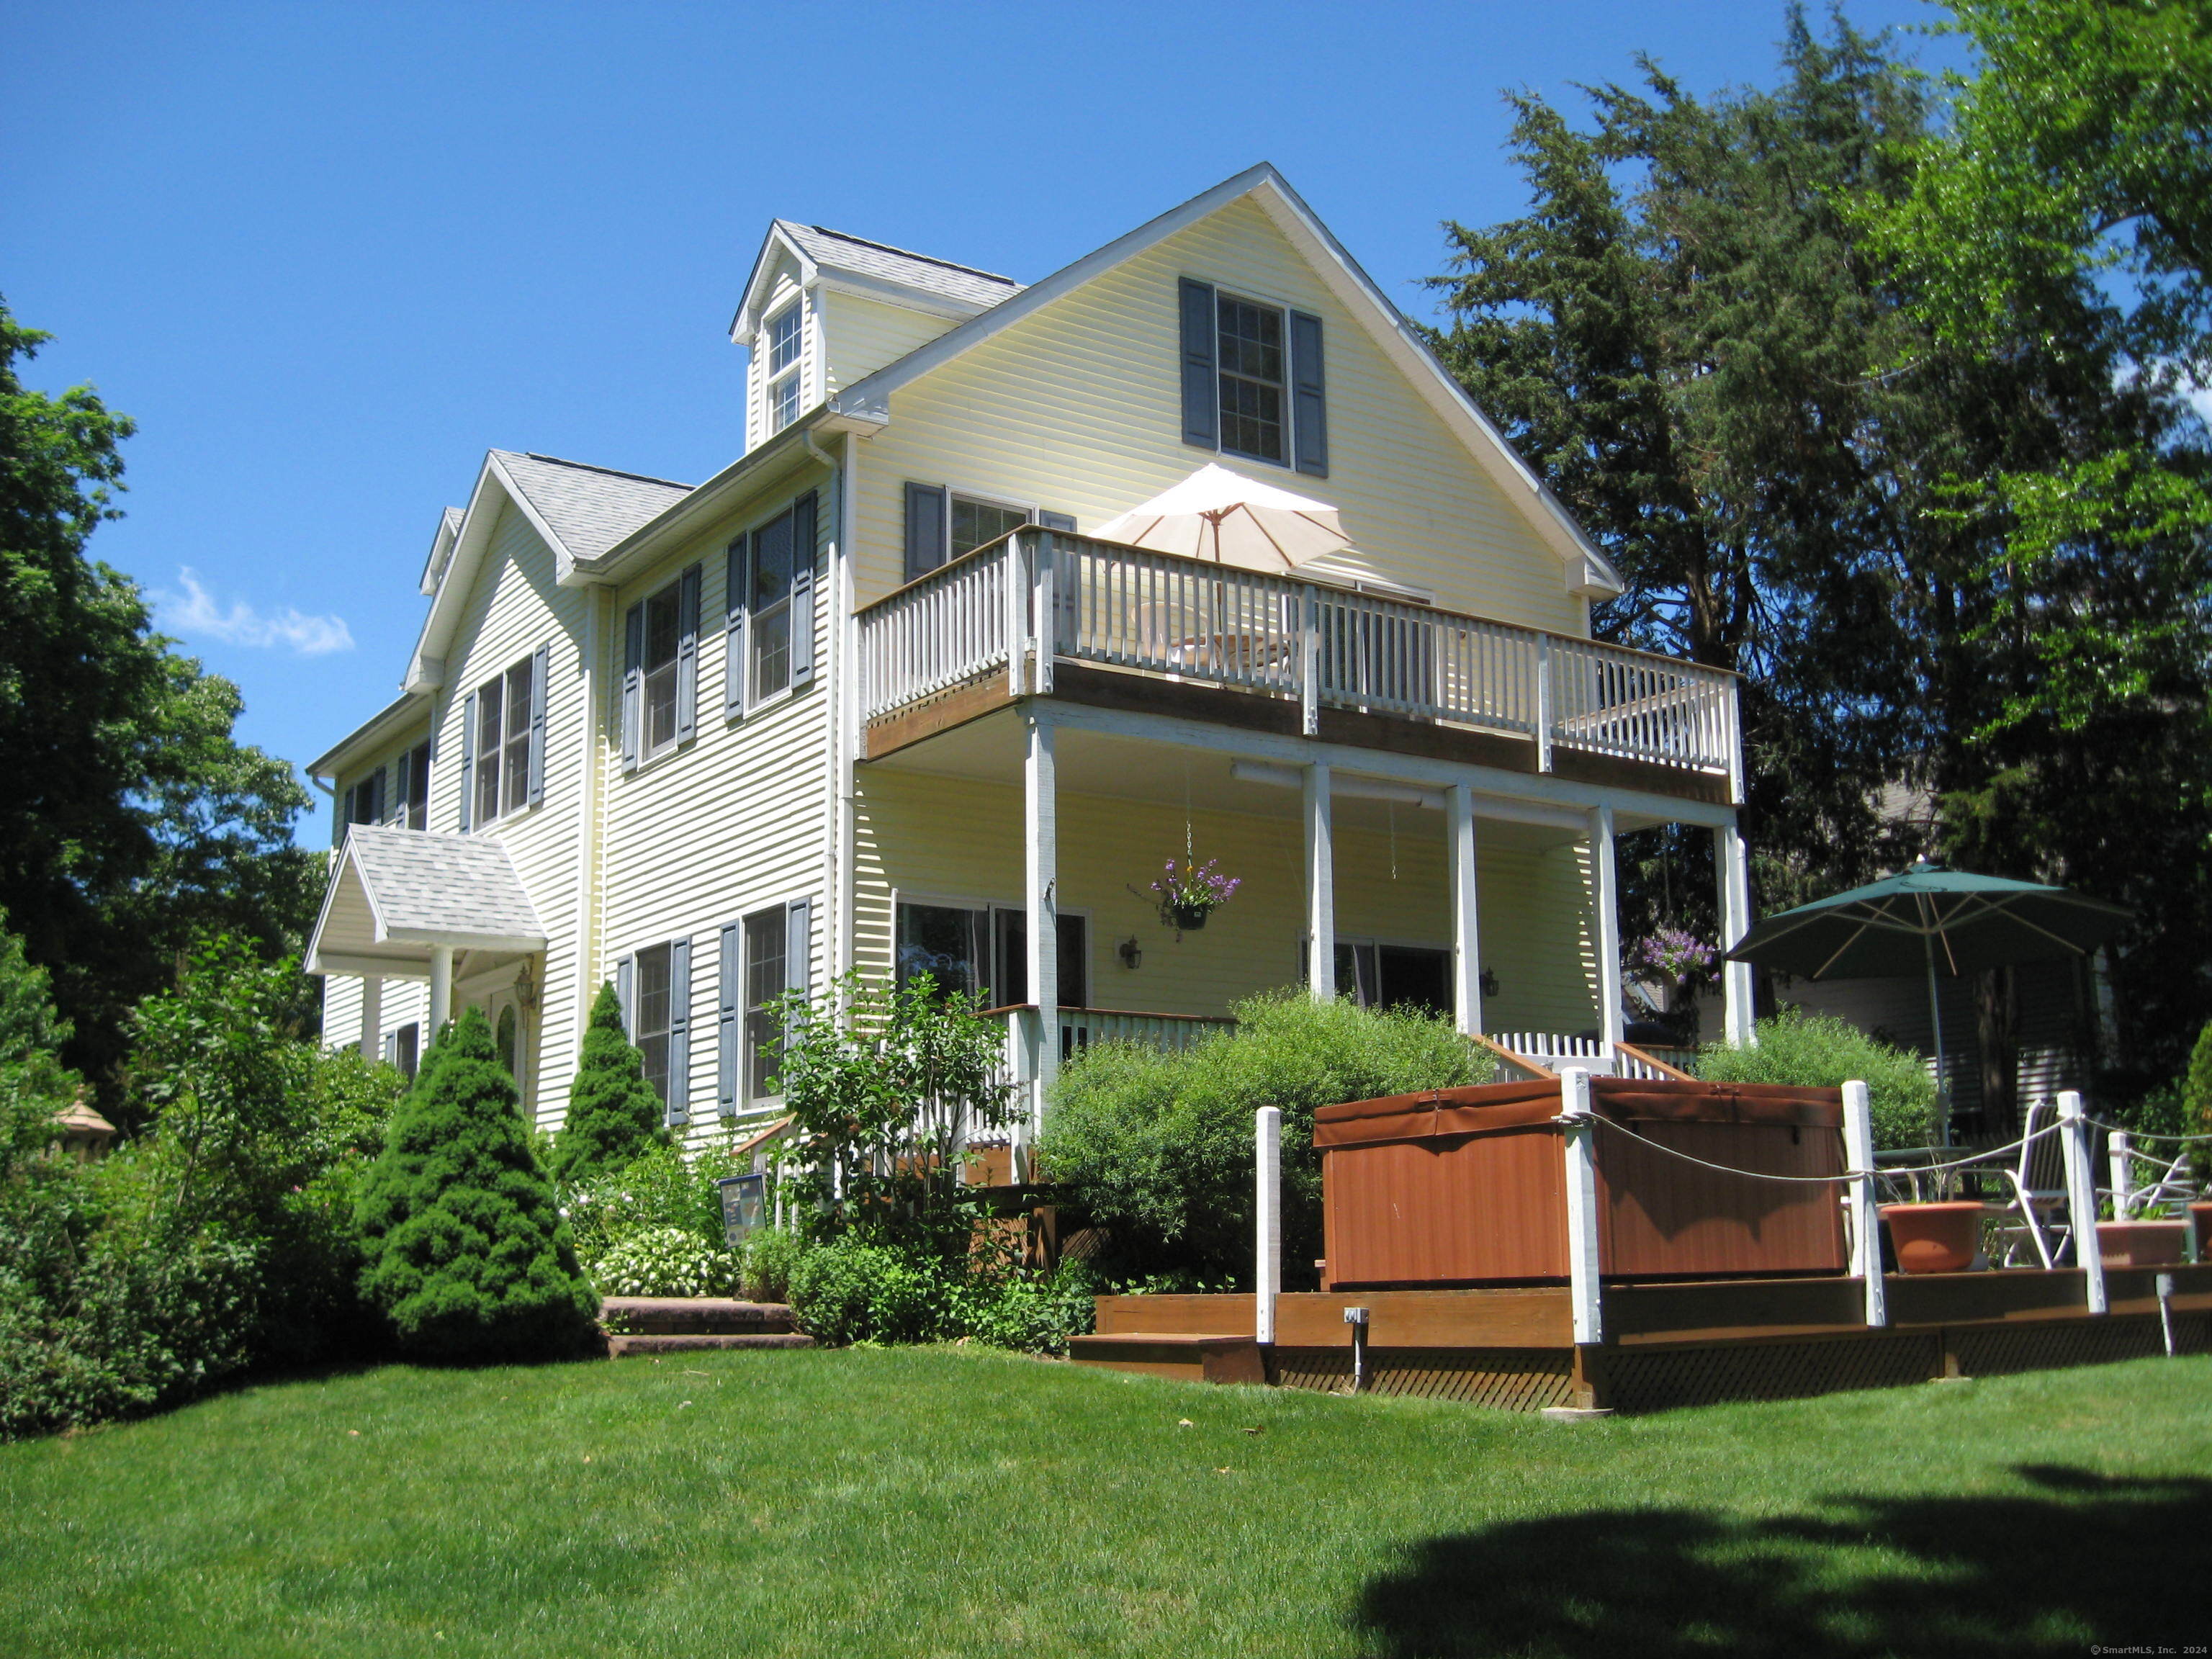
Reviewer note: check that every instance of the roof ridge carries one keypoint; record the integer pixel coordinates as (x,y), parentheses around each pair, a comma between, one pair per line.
(909,253)
(590,466)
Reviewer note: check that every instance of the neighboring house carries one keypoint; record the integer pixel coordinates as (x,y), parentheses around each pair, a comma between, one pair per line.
(713,742)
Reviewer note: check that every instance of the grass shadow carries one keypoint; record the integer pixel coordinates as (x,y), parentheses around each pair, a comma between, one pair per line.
(2083,1559)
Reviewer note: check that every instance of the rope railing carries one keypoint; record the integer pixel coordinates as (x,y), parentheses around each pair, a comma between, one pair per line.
(2145,1134)
(1893,1170)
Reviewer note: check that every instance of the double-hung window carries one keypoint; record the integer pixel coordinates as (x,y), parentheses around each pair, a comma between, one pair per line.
(655,986)
(786,331)
(770,645)
(942,525)
(660,670)
(1253,383)
(364,803)
(764,956)
(983,952)
(503,743)
(409,804)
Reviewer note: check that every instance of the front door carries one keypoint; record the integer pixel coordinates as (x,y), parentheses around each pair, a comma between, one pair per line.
(504,1011)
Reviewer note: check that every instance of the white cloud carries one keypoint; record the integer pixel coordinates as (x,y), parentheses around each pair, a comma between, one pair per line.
(195,613)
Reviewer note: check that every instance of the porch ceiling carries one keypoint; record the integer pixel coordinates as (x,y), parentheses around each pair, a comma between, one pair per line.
(989,750)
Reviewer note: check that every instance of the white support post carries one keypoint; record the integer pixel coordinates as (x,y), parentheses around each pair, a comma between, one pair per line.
(1732,865)
(1267,1208)
(1041,832)
(1017,617)
(1466,936)
(2081,1196)
(442,989)
(2118,1146)
(1579,1126)
(1044,611)
(1543,703)
(1866,1215)
(371,1018)
(1321,885)
(1605,902)
(1310,661)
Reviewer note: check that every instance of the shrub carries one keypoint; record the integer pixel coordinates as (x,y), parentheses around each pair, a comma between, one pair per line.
(1033,1313)
(2196,1086)
(1818,1051)
(769,1255)
(849,1290)
(664,1261)
(662,1188)
(614,1117)
(1158,1147)
(468,1255)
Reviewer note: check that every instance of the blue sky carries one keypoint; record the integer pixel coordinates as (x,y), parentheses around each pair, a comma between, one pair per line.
(328,255)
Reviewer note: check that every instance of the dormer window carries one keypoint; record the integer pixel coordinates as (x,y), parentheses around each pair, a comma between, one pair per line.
(785,331)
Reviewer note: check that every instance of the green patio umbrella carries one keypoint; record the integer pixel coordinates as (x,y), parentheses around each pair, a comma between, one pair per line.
(1930,920)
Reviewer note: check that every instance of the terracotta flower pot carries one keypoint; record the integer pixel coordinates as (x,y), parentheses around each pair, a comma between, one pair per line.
(1934,1238)
(2140,1244)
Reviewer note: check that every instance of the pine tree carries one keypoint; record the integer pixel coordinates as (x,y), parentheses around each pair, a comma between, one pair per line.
(468,1255)
(613,1113)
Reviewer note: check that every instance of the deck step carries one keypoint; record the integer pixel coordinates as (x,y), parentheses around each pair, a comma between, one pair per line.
(620,1347)
(694,1315)
(1194,1357)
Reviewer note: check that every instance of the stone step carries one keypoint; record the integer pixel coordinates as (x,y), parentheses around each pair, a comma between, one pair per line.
(619,1347)
(694,1315)
(1187,1358)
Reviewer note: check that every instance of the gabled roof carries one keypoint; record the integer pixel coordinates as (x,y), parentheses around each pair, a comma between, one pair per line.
(441,548)
(874,268)
(1589,571)
(395,893)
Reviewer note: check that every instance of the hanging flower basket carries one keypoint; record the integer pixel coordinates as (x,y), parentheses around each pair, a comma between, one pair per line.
(1188,892)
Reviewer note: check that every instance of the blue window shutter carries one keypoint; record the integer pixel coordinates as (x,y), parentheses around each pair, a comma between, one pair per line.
(468,757)
(687,655)
(1201,390)
(729,1011)
(680,1032)
(803,550)
(924,529)
(798,945)
(1309,396)
(735,577)
(626,993)
(633,683)
(541,665)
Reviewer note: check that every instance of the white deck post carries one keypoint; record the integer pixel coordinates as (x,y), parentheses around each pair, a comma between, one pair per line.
(371,1018)
(1044,611)
(1732,864)
(1267,1209)
(1321,885)
(1579,1126)
(1017,616)
(442,989)
(1605,901)
(1309,660)
(2117,1146)
(1467,937)
(2081,1196)
(1866,1215)
(1041,831)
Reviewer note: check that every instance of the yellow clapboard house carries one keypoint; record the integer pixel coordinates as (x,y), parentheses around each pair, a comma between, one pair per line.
(877,696)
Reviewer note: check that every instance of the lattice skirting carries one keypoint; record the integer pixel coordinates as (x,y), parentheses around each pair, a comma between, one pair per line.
(1999,1352)
(1508,1379)
(1654,1379)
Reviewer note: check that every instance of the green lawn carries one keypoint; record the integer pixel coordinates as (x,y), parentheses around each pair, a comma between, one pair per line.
(955,1502)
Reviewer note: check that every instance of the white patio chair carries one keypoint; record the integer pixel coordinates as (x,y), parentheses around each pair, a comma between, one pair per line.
(2038,1208)
(2170,1182)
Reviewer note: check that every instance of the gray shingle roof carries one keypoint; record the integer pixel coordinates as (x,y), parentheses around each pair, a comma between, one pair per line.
(838,252)
(589,508)
(423,884)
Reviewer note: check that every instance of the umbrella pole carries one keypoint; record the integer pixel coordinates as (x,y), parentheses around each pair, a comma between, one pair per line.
(1936,1017)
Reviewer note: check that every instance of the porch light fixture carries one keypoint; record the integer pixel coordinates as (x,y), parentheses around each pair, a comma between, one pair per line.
(1130,952)
(525,989)
(1489,982)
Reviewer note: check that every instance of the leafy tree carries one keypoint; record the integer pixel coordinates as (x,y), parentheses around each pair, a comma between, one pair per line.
(468,1255)
(614,1117)
(133,820)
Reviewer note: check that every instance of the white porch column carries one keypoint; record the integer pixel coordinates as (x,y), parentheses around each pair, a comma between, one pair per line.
(441,991)
(1041,833)
(1466,938)
(1605,902)
(1321,885)
(1732,864)
(371,1018)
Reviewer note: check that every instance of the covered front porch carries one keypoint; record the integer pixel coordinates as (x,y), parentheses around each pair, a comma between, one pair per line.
(1482,895)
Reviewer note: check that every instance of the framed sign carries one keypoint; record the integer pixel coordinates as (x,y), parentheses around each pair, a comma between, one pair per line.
(744,1205)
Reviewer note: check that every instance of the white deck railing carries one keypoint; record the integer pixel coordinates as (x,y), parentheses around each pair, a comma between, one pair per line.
(1317,645)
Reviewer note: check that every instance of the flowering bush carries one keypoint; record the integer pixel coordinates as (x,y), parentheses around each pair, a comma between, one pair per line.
(1191,889)
(1681,957)
(664,1261)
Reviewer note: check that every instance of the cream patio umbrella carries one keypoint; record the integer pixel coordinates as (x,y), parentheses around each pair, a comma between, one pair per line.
(1230,519)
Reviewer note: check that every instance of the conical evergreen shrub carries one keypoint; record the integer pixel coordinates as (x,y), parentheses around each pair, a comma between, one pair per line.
(468,1255)
(613,1113)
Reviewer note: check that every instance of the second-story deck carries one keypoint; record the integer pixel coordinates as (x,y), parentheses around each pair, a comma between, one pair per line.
(939,649)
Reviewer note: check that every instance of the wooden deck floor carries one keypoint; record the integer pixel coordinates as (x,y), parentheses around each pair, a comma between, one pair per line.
(1666,1344)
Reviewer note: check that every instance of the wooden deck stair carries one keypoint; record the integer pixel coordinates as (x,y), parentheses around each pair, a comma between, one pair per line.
(1184,1337)
(679,1324)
